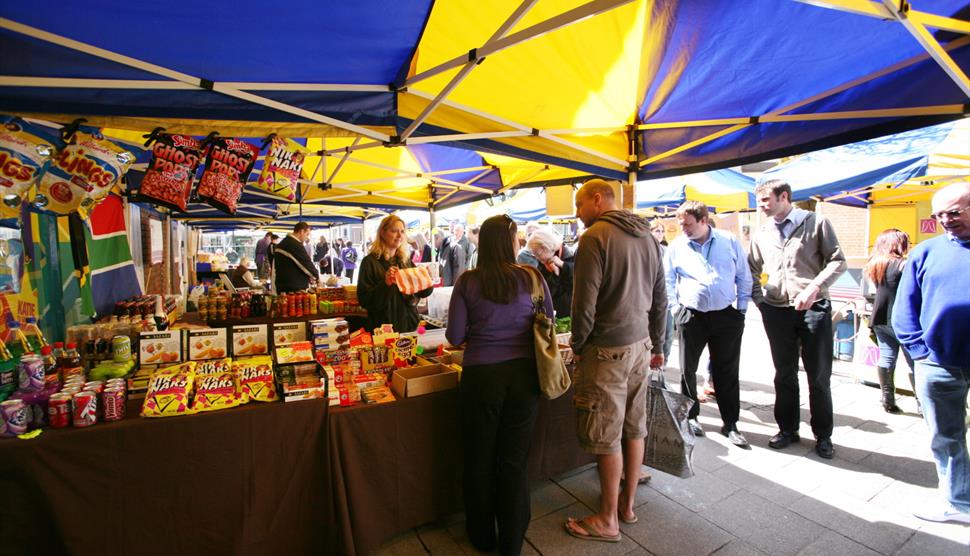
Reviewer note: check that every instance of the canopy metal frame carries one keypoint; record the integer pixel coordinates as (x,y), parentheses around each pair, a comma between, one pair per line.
(897,12)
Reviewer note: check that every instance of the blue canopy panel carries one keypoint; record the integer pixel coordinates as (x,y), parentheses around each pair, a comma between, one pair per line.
(661,192)
(437,158)
(496,147)
(202,210)
(887,160)
(526,215)
(341,43)
(769,40)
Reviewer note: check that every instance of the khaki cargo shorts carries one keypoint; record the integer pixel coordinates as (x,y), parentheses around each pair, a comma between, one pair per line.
(611,396)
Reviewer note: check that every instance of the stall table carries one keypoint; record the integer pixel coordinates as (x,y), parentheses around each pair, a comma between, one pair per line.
(274,478)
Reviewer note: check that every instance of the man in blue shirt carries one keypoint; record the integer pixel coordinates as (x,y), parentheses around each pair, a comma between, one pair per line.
(709,282)
(931,318)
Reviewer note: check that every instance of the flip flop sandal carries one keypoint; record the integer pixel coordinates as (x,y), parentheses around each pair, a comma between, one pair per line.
(630,521)
(590,534)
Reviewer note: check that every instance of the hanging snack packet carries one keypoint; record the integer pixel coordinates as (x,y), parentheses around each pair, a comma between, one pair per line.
(25,151)
(217,391)
(169,391)
(256,378)
(168,180)
(282,168)
(82,173)
(226,170)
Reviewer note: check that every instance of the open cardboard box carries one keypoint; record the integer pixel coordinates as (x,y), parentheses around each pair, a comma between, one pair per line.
(416,381)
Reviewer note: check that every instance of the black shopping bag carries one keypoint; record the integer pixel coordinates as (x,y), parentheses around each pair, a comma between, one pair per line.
(669,446)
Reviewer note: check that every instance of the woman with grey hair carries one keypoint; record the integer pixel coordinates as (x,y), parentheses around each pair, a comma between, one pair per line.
(556,263)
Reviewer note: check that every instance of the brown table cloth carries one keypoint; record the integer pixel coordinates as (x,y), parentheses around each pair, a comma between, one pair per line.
(296,478)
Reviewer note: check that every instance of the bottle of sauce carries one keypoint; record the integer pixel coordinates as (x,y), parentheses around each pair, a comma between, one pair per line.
(70,365)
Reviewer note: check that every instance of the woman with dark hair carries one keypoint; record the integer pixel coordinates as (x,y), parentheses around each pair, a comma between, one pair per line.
(377,285)
(492,312)
(884,269)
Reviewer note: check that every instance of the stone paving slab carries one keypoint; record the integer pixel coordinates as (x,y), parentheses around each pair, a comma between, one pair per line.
(758,501)
(764,524)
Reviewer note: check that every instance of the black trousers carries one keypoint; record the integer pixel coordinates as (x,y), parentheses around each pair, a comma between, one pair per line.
(499,404)
(809,332)
(721,332)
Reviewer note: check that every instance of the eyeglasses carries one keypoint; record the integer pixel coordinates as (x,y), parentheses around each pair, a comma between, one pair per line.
(950,214)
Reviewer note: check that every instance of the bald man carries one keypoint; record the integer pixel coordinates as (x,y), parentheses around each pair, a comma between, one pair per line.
(619,316)
(932,321)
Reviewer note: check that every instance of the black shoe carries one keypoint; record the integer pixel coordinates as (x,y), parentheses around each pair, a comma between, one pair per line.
(783,440)
(735,437)
(824,448)
(695,427)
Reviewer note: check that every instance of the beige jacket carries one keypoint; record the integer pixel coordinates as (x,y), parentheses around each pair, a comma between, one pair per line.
(810,255)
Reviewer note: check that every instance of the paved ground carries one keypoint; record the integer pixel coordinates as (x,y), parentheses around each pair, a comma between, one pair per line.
(757,501)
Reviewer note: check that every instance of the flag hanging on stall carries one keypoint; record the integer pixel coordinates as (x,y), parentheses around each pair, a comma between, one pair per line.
(74,270)
(113,276)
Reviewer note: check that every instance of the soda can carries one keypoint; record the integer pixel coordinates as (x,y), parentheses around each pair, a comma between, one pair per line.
(113,400)
(84,408)
(13,417)
(95,386)
(121,348)
(116,382)
(32,375)
(59,411)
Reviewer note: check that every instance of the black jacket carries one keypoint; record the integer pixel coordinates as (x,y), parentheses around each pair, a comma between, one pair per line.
(320,251)
(561,285)
(386,304)
(293,266)
(452,263)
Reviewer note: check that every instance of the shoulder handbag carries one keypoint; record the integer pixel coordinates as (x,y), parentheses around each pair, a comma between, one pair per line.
(553,377)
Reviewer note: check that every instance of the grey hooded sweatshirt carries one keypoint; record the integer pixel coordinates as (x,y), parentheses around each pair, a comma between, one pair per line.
(619,296)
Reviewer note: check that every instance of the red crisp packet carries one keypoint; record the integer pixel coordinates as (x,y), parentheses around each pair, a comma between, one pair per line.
(226,170)
(168,180)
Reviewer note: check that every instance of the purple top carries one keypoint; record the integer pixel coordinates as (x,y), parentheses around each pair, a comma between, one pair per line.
(494,332)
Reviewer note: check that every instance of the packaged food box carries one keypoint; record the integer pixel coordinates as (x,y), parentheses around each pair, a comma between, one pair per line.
(298,373)
(250,339)
(289,332)
(315,390)
(158,348)
(296,352)
(329,326)
(207,343)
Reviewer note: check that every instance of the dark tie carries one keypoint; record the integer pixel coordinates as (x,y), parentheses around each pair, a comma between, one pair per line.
(781,229)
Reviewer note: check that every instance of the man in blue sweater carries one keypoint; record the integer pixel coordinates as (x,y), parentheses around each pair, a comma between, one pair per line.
(932,320)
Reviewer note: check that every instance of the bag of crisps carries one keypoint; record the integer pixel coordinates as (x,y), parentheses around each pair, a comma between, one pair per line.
(227,168)
(282,168)
(168,180)
(25,152)
(84,170)
(256,378)
(217,391)
(169,391)
(213,367)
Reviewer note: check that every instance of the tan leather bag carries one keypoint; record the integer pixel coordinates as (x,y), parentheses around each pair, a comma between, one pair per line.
(554,379)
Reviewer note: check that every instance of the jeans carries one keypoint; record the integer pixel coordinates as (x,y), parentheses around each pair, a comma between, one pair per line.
(810,332)
(500,403)
(943,390)
(889,347)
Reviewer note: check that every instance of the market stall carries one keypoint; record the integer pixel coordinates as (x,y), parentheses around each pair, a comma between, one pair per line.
(270,478)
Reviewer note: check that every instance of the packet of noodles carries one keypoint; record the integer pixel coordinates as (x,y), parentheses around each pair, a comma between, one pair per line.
(213,367)
(282,168)
(25,152)
(217,391)
(83,172)
(256,378)
(169,391)
(226,170)
(168,180)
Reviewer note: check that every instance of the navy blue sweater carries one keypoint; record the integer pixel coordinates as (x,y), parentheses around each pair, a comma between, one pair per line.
(932,311)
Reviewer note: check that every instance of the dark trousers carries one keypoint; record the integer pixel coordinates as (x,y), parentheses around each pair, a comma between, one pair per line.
(790,331)
(721,332)
(499,404)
